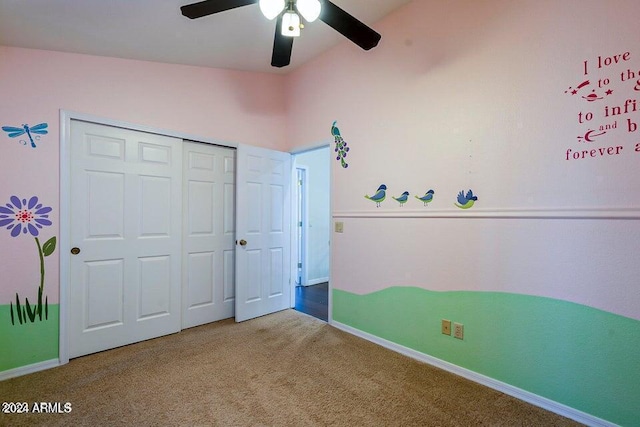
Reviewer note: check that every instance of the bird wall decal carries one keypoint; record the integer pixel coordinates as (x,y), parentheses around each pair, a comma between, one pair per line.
(466,201)
(427,198)
(341,148)
(379,196)
(402,199)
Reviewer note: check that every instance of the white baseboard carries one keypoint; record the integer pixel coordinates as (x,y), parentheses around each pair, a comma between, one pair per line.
(29,369)
(312,282)
(534,399)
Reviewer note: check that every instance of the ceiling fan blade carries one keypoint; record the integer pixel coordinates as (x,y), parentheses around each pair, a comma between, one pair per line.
(282,47)
(349,26)
(209,7)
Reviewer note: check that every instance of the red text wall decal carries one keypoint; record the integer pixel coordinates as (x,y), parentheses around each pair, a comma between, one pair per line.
(609,95)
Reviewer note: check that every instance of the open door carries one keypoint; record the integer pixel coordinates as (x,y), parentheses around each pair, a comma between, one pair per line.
(263,232)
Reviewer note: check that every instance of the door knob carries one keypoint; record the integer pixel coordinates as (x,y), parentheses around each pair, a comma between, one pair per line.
(243,242)
(75,251)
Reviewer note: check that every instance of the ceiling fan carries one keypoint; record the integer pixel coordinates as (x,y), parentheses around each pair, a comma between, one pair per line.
(289,24)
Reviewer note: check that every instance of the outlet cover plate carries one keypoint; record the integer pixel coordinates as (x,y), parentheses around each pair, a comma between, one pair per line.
(458,331)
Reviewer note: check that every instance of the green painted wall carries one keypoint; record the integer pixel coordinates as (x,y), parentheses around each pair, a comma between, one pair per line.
(576,355)
(28,343)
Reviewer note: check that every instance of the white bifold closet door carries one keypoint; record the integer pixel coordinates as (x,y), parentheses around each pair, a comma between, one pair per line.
(208,200)
(125,231)
(153,235)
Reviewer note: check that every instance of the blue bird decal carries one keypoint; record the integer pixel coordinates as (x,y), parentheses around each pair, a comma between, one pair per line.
(466,201)
(334,129)
(402,199)
(379,196)
(427,198)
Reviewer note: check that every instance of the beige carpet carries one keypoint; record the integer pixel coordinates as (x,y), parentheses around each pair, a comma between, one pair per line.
(286,369)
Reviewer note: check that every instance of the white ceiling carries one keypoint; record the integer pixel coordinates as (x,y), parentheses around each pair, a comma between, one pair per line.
(155,30)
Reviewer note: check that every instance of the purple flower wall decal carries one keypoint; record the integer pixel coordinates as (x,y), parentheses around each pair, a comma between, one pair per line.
(26,216)
(23,216)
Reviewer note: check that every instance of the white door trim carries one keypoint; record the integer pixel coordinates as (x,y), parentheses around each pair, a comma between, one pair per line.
(65,202)
(305,222)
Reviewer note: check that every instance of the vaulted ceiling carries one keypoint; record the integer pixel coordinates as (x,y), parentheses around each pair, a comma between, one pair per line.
(155,30)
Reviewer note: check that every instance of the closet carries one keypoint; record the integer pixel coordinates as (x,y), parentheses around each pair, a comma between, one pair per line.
(152,230)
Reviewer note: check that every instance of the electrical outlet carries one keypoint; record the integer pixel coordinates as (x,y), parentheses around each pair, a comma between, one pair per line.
(458,331)
(446,327)
(339,227)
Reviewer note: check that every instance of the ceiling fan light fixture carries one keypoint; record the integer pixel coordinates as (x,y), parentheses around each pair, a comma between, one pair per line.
(290,24)
(271,8)
(309,9)
(290,13)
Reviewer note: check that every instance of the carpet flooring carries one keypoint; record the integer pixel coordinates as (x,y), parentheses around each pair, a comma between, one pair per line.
(285,369)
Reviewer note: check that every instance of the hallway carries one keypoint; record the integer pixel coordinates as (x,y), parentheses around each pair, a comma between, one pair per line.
(313,300)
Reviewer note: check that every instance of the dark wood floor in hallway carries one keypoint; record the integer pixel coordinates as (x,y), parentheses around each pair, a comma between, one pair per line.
(313,300)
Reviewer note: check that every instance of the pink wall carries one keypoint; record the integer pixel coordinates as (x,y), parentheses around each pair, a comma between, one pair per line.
(473,95)
(458,95)
(471,85)
(226,106)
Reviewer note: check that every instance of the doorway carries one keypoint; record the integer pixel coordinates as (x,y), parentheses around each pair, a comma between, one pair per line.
(312,235)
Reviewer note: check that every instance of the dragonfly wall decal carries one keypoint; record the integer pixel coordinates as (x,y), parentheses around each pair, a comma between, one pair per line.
(39,129)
